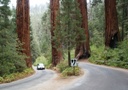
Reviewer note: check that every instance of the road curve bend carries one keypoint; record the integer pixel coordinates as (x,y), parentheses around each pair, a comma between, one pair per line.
(100,78)
(39,77)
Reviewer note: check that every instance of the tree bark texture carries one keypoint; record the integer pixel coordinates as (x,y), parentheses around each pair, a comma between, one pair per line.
(23,29)
(83,48)
(112,30)
(56,55)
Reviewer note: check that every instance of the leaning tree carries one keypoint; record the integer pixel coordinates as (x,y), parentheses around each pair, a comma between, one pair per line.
(83,49)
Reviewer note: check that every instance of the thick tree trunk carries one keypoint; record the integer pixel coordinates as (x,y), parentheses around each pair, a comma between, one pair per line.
(23,29)
(83,49)
(111,31)
(56,55)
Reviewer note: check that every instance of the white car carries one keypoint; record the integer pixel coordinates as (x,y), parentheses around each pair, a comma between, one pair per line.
(40,66)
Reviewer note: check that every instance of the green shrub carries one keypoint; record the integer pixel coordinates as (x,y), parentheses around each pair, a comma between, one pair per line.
(49,66)
(9,78)
(41,59)
(70,71)
(16,76)
(65,70)
(97,54)
(28,71)
(112,57)
(1,79)
(62,65)
(48,57)
(45,59)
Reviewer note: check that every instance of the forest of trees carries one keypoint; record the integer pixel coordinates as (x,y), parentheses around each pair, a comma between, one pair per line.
(97,29)
(11,59)
(108,32)
(104,29)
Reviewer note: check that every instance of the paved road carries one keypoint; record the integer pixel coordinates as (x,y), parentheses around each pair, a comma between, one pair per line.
(101,78)
(96,78)
(39,77)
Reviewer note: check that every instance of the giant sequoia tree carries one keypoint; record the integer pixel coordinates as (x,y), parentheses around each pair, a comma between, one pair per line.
(69,31)
(83,49)
(56,55)
(111,30)
(23,28)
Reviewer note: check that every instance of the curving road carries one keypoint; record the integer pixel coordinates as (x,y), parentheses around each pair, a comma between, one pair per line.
(101,78)
(38,78)
(95,78)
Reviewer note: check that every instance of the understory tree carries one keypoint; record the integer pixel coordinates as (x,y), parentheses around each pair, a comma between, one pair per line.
(11,60)
(68,32)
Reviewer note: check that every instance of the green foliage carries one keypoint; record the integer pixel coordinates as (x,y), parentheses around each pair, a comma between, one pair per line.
(62,65)
(65,70)
(68,31)
(46,34)
(69,23)
(48,57)
(65,55)
(95,2)
(41,59)
(45,58)
(96,53)
(122,10)
(99,53)
(113,57)
(16,76)
(71,71)
(11,60)
(41,36)
(35,50)
(96,24)
(40,31)
(4,14)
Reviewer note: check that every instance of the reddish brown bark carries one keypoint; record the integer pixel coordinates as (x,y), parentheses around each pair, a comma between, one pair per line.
(83,48)
(23,29)
(111,30)
(56,55)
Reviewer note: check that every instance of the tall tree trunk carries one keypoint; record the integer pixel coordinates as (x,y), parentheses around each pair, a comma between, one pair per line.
(83,49)
(111,31)
(56,55)
(23,29)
